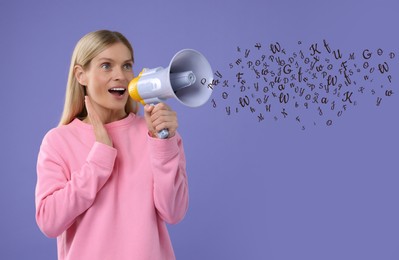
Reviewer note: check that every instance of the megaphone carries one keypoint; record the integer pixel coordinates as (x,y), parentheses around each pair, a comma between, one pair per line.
(187,78)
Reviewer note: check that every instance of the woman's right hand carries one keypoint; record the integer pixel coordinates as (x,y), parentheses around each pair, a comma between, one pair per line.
(100,132)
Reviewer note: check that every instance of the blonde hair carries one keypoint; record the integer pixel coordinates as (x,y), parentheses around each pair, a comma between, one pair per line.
(88,47)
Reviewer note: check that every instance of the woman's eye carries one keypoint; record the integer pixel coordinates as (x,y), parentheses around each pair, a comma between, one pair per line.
(106,66)
(128,66)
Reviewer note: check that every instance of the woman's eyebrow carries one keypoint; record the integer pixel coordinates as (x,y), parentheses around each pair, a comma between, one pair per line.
(111,60)
(105,59)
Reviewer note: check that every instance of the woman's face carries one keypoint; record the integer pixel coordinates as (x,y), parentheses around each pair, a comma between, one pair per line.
(107,79)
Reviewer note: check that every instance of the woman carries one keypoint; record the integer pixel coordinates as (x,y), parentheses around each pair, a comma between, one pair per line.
(106,185)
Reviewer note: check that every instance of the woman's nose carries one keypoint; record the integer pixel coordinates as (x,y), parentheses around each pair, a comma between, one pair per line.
(119,74)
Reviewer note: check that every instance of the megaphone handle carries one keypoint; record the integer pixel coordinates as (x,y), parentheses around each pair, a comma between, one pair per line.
(163,134)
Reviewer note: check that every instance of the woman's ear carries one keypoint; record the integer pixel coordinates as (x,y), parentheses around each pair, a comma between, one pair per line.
(80,75)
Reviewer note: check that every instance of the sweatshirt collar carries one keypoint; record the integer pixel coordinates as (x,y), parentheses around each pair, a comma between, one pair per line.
(116,124)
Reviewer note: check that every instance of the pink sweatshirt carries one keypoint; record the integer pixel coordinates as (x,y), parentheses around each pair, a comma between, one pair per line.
(105,202)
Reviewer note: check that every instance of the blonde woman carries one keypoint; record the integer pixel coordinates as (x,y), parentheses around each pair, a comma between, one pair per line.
(106,185)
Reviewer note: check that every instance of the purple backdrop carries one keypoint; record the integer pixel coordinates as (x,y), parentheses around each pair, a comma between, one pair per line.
(291,181)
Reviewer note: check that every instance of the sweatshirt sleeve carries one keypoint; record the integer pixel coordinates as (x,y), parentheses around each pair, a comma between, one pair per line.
(170,179)
(60,198)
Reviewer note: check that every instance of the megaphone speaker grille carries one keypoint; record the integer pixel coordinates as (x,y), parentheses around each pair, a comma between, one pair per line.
(197,92)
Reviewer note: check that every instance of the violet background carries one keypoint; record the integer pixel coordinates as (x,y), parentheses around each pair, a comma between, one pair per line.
(257,190)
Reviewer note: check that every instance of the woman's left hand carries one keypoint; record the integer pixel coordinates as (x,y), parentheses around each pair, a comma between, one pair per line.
(160,117)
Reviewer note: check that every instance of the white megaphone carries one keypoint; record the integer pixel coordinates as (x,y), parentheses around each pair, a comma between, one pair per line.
(187,79)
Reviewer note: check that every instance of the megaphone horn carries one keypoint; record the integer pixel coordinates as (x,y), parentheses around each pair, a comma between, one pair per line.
(184,79)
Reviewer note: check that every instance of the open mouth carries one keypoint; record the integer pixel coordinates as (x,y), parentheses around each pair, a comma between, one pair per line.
(117,91)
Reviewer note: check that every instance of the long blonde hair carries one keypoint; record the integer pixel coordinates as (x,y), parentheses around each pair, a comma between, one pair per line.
(88,47)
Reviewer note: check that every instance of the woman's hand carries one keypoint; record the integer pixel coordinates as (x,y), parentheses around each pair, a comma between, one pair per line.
(100,132)
(159,117)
